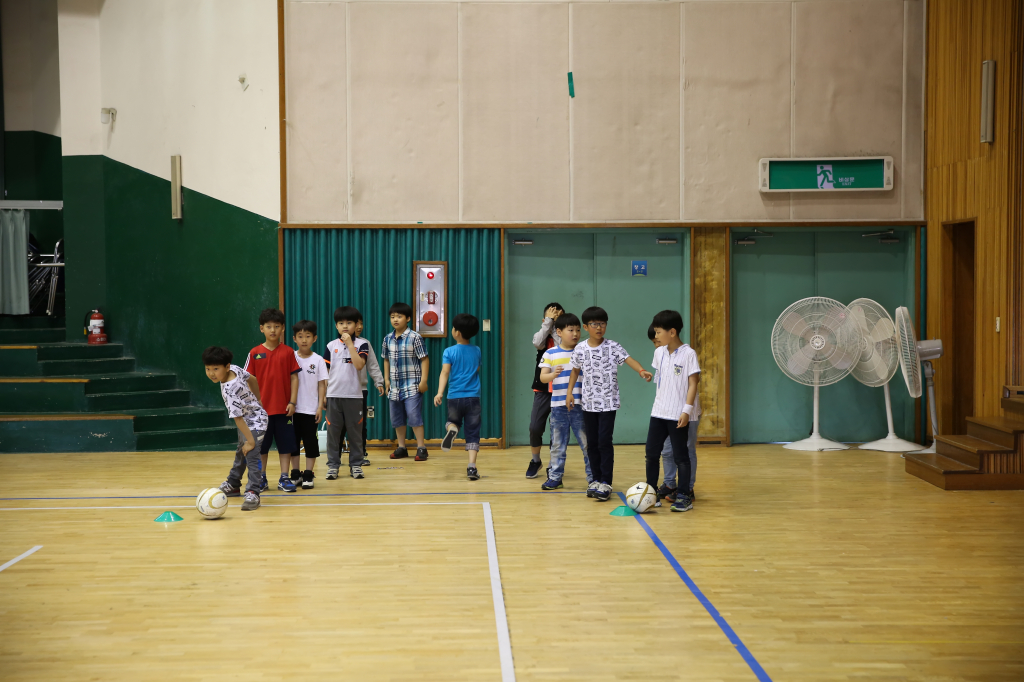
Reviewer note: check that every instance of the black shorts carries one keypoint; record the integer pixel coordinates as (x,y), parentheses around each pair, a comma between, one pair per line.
(305,434)
(280,429)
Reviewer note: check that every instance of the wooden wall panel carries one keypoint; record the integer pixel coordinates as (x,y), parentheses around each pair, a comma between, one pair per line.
(709,327)
(971,181)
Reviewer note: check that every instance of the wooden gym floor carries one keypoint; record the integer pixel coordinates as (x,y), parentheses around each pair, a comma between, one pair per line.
(825,566)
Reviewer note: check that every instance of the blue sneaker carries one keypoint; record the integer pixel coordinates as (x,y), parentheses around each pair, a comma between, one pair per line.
(683,503)
(284,483)
(550,484)
(263,484)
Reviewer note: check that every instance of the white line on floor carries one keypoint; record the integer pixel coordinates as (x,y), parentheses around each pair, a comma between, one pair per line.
(19,558)
(508,672)
(191,506)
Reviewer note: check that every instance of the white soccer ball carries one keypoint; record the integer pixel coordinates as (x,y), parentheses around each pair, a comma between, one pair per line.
(212,503)
(641,497)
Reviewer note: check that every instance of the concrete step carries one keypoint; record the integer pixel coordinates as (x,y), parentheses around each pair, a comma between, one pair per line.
(131,381)
(225,436)
(110,402)
(79,351)
(23,336)
(56,368)
(178,418)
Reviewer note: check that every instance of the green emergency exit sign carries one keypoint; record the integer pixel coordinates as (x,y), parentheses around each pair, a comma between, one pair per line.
(862,173)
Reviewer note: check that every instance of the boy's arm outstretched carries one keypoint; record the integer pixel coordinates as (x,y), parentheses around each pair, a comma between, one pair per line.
(637,367)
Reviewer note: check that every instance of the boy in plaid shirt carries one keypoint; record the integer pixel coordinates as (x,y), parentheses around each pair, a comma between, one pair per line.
(406,367)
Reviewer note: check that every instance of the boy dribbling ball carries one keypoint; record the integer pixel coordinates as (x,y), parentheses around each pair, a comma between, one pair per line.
(241,395)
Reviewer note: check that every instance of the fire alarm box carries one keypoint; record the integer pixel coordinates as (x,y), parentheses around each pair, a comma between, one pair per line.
(430,298)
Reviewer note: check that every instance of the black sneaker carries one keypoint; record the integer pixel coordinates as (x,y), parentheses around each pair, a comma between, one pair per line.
(307,480)
(531,471)
(421,454)
(667,493)
(472,474)
(692,496)
(296,477)
(451,430)
(399,453)
(683,503)
(366,462)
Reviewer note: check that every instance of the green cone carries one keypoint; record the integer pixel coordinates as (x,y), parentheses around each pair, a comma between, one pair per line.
(167,517)
(622,511)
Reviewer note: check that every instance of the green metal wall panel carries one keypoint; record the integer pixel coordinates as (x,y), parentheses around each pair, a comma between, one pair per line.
(371,269)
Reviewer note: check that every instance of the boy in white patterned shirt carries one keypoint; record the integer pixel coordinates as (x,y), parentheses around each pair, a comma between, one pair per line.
(241,393)
(675,404)
(599,358)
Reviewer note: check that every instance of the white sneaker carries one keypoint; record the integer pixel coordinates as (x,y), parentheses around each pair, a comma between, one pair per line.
(357,472)
(593,488)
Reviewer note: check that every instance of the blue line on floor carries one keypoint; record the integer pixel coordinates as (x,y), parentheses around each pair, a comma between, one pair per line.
(762,676)
(289,495)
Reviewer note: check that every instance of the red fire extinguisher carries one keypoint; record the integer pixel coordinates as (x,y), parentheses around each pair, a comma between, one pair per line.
(95,328)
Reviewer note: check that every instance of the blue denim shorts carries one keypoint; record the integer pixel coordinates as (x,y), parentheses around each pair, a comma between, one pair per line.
(407,412)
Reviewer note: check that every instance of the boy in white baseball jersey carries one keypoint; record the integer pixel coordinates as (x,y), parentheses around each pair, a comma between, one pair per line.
(241,393)
(309,402)
(598,359)
(676,402)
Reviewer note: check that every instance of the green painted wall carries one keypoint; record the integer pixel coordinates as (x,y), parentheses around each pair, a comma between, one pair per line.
(767,406)
(372,269)
(167,288)
(32,170)
(580,268)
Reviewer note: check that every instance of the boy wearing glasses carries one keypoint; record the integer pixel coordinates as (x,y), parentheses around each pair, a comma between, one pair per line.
(598,359)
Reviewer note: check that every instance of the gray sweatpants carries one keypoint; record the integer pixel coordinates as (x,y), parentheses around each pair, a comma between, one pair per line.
(249,461)
(347,414)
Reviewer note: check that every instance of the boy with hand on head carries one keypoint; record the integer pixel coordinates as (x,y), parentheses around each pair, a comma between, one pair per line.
(241,394)
(348,355)
(275,368)
(555,369)
(406,367)
(667,490)
(545,338)
(309,403)
(460,371)
(598,358)
(675,403)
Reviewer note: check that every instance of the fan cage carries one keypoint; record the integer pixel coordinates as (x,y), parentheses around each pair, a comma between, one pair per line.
(815,342)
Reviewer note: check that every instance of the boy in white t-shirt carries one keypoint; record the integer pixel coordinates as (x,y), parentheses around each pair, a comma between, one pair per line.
(309,401)
(676,403)
(599,358)
(555,368)
(347,355)
(241,393)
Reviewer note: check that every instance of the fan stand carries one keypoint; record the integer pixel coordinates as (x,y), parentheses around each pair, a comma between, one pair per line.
(890,443)
(929,380)
(815,441)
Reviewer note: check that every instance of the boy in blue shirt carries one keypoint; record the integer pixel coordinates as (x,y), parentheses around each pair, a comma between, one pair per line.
(460,371)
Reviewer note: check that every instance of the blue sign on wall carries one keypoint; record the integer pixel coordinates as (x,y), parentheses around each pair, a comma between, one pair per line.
(639,268)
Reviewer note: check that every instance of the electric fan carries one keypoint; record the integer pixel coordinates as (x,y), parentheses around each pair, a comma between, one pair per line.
(815,343)
(915,354)
(879,360)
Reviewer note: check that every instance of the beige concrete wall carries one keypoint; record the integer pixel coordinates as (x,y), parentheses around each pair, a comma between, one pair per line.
(461,111)
(31,72)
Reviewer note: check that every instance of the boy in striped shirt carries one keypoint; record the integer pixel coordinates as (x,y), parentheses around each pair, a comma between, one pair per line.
(676,405)
(555,369)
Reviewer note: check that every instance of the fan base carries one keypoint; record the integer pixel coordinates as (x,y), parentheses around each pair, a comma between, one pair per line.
(815,443)
(928,450)
(891,444)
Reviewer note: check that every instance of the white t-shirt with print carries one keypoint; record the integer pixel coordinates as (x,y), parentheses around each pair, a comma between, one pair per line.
(343,381)
(600,369)
(672,375)
(312,371)
(241,402)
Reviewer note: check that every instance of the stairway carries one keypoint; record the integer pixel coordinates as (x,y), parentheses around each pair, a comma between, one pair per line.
(72,397)
(989,457)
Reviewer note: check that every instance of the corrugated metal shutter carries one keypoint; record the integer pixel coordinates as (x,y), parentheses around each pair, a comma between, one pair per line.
(371,269)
